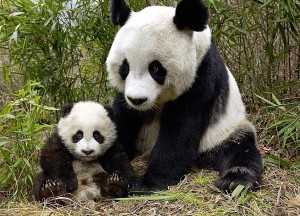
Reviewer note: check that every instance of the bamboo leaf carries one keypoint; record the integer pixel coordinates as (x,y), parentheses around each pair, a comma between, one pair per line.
(237,191)
(162,197)
(265,4)
(15,14)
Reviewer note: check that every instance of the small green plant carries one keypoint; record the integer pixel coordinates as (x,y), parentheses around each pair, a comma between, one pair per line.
(286,122)
(21,136)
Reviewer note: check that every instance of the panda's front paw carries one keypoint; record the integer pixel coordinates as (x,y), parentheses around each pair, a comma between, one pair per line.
(238,176)
(114,186)
(52,188)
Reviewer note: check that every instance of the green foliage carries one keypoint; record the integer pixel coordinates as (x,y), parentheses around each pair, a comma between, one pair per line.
(21,135)
(242,194)
(202,179)
(64,49)
(259,41)
(286,120)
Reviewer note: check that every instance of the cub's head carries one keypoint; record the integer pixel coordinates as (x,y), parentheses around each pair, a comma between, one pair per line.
(156,52)
(86,129)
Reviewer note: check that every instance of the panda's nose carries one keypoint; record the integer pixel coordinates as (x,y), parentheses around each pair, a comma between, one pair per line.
(87,152)
(137,101)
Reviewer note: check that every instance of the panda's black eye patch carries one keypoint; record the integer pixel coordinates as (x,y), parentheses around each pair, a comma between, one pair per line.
(124,69)
(77,137)
(158,72)
(98,137)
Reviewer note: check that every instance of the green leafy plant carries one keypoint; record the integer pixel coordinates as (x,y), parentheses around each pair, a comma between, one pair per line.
(287,121)
(21,136)
(63,47)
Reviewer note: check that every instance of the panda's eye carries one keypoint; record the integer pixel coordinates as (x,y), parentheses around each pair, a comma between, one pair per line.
(98,137)
(124,69)
(77,136)
(158,72)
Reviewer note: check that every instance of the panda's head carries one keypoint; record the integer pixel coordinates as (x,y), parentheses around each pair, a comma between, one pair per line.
(86,129)
(156,52)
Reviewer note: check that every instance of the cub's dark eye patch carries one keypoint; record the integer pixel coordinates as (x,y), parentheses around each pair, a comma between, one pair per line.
(98,137)
(77,137)
(124,69)
(158,72)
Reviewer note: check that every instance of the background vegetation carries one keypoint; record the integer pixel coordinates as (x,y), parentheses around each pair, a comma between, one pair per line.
(53,52)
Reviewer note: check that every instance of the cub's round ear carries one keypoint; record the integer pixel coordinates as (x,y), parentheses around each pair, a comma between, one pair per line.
(119,12)
(110,111)
(66,109)
(192,15)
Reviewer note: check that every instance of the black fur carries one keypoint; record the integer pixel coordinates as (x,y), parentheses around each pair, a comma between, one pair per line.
(157,72)
(98,137)
(192,15)
(110,112)
(182,124)
(119,12)
(77,137)
(66,110)
(124,69)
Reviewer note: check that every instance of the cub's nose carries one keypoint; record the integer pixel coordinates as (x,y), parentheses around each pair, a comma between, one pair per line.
(137,101)
(87,152)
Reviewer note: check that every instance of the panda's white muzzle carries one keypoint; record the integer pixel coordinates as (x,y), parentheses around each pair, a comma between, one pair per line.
(141,90)
(87,149)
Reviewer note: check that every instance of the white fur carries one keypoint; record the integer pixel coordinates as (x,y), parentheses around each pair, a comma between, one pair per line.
(234,118)
(84,172)
(151,35)
(148,135)
(88,117)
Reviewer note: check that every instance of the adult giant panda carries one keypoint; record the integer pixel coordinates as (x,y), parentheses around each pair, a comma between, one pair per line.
(82,157)
(177,99)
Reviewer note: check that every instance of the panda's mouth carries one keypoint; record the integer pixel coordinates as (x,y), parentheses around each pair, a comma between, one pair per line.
(87,158)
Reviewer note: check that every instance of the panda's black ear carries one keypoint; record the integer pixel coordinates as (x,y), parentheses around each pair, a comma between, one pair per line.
(119,12)
(66,109)
(192,15)
(110,111)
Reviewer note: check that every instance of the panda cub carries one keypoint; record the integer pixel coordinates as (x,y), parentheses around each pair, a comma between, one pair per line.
(177,99)
(82,158)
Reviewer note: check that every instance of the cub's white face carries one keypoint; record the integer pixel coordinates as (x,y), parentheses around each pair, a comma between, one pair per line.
(87,132)
(153,62)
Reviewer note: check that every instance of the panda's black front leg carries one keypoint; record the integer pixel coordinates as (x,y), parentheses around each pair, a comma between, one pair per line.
(175,150)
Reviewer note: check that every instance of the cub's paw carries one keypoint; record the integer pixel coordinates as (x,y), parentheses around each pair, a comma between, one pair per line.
(238,176)
(114,186)
(52,188)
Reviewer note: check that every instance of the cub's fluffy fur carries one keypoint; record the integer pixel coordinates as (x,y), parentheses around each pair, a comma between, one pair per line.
(81,156)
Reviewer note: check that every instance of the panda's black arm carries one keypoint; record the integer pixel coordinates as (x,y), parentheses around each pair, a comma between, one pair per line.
(177,145)
(56,162)
(128,122)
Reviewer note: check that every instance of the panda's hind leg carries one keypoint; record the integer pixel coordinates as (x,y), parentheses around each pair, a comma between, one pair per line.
(238,161)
